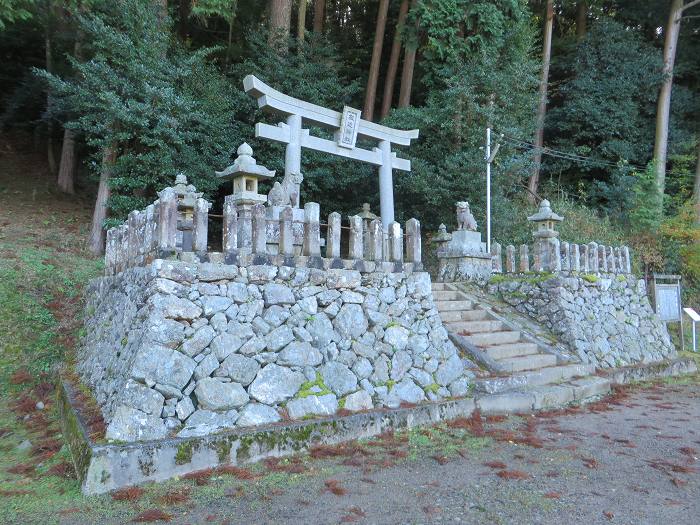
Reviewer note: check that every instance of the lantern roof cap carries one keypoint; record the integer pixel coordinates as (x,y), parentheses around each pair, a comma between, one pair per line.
(245,164)
(545,213)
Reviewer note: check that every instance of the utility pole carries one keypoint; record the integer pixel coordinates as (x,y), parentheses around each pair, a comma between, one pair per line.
(488,190)
(490,155)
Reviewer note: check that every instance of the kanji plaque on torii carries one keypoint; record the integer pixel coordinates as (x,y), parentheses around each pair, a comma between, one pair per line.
(347,126)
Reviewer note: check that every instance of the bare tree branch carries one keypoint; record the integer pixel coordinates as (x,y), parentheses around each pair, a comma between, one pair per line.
(689,5)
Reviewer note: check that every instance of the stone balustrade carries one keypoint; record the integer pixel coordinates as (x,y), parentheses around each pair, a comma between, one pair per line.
(176,226)
(559,256)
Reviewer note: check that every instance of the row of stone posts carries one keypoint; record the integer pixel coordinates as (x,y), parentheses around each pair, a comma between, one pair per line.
(174,224)
(556,256)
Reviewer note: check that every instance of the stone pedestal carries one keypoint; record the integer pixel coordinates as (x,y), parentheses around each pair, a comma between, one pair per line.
(464,258)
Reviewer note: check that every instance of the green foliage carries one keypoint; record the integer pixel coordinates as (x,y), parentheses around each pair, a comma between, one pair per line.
(604,108)
(164,108)
(645,216)
(14,10)
(486,75)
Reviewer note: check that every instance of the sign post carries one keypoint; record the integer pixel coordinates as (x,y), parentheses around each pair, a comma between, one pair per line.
(667,300)
(694,318)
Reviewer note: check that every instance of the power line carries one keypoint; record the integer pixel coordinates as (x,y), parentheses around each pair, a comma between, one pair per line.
(562,154)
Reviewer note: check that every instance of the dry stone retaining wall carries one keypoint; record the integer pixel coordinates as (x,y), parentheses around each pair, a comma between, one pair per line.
(194,348)
(605,319)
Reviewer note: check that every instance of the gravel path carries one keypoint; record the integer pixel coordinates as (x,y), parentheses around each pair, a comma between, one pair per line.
(632,458)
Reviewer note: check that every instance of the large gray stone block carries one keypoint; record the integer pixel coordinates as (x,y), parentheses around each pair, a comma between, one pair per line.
(214,395)
(275,384)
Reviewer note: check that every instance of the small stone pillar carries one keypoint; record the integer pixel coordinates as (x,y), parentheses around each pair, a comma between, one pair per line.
(230,233)
(593,261)
(627,267)
(286,246)
(496,258)
(259,240)
(413,241)
(575,258)
(618,260)
(333,236)
(200,227)
(355,244)
(602,260)
(554,255)
(312,230)
(395,242)
(150,229)
(524,258)
(565,257)
(583,258)
(167,223)
(612,262)
(376,241)
(510,259)
(110,251)
(132,241)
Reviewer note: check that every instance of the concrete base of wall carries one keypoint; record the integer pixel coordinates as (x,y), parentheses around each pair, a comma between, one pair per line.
(647,371)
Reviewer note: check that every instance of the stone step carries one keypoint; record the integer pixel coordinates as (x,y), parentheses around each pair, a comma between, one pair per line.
(453,316)
(545,397)
(528,362)
(447,295)
(447,306)
(494,338)
(511,350)
(438,287)
(543,376)
(474,327)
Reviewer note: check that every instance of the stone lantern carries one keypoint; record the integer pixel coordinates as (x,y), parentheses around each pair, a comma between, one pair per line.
(547,256)
(545,220)
(245,173)
(441,239)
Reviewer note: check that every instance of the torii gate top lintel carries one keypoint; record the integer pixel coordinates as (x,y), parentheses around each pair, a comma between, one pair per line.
(270,97)
(347,126)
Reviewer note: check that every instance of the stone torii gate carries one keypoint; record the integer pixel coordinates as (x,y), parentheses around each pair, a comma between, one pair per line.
(347,126)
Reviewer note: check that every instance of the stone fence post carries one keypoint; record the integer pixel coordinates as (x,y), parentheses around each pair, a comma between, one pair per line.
(575,258)
(286,243)
(413,241)
(496,258)
(333,236)
(149,232)
(376,241)
(312,229)
(565,257)
(510,259)
(167,223)
(395,242)
(200,226)
(230,231)
(627,260)
(602,260)
(259,240)
(355,244)
(593,262)
(524,258)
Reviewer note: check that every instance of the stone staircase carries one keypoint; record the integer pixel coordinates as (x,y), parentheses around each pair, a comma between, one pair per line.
(521,373)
